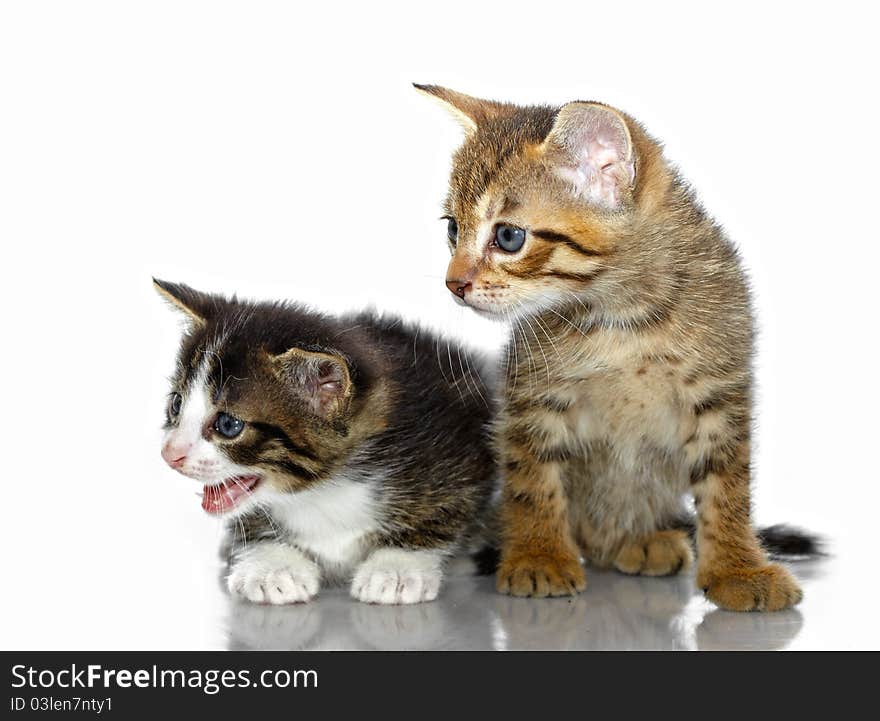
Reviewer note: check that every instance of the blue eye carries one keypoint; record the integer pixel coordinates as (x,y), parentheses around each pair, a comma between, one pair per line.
(509,238)
(174,403)
(227,425)
(452,230)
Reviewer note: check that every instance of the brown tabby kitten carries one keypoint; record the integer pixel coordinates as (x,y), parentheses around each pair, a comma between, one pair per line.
(629,378)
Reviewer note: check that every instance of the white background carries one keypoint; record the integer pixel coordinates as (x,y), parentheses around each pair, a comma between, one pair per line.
(278,150)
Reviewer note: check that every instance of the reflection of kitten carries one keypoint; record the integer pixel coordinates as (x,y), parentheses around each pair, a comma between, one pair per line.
(629,382)
(459,619)
(335,446)
(619,612)
(639,613)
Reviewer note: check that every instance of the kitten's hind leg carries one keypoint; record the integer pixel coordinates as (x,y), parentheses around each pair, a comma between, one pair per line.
(398,576)
(662,553)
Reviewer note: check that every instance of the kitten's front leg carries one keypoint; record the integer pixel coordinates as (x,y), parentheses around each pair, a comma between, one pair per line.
(273,572)
(398,576)
(539,556)
(732,568)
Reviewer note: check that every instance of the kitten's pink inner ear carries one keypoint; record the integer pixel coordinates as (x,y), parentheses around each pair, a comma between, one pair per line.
(329,387)
(592,149)
(328,371)
(321,379)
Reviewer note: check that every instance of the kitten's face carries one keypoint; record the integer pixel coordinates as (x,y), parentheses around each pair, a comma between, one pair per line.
(248,424)
(537,202)
(203,433)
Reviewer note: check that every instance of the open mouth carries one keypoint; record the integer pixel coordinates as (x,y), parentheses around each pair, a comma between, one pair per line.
(225,496)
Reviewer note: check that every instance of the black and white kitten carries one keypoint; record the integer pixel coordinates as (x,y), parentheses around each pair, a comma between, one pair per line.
(337,448)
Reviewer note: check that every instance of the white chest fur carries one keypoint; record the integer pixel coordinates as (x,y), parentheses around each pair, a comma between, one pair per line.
(331,521)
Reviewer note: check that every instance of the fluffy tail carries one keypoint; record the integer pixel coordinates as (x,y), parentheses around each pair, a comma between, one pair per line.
(486,560)
(780,541)
(784,541)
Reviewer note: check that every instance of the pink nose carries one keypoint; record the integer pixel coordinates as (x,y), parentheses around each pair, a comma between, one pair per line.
(175,453)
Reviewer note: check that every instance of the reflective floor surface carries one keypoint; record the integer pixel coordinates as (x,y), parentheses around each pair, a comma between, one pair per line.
(616,612)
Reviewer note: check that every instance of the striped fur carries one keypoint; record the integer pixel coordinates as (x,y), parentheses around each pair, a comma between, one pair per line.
(629,366)
(365,450)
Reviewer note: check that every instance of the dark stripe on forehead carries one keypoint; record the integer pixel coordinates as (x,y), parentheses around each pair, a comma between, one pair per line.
(217,377)
(199,359)
(472,175)
(553,237)
(482,157)
(508,206)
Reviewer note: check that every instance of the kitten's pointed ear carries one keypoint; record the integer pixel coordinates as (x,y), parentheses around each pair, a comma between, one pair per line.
(468,111)
(591,146)
(197,306)
(322,379)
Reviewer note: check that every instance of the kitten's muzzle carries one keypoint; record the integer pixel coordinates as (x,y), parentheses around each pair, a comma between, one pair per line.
(175,454)
(459,287)
(460,275)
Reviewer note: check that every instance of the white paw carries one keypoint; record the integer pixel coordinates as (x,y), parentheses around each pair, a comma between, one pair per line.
(274,573)
(393,575)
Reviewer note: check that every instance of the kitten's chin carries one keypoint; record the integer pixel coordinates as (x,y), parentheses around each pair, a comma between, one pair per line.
(493,313)
(222,498)
(498,314)
(504,313)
